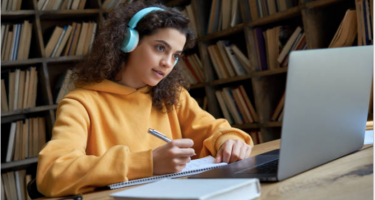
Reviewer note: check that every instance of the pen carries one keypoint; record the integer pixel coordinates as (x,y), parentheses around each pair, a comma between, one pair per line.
(158,134)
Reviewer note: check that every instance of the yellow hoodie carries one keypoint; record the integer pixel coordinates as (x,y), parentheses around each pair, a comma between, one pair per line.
(100,137)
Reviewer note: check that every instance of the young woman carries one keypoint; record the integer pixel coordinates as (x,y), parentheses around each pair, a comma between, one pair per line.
(101,137)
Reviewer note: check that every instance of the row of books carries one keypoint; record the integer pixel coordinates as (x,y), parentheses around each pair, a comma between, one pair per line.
(15,40)
(224,14)
(192,68)
(22,90)
(202,102)
(188,11)
(14,185)
(63,85)
(364,21)
(236,105)
(11,5)
(75,39)
(274,45)
(26,139)
(257,137)
(264,8)
(61,4)
(277,114)
(111,4)
(228,60)
(347,31)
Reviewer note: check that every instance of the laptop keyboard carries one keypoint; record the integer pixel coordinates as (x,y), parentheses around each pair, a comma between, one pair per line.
(267,168)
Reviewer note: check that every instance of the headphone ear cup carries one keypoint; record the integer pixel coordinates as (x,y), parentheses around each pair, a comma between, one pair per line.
(131,41)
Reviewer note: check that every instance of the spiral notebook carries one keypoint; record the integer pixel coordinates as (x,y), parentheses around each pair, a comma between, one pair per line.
(194,167)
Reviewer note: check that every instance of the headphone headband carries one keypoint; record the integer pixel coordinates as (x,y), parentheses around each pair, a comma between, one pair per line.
(140,14)
(132,36)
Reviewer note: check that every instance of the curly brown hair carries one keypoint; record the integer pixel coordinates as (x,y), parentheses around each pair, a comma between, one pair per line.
(106,59)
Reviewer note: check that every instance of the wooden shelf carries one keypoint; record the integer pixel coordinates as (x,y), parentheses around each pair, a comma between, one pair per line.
(246,126)
(19,163)
(65,59)
(271,72)
(290,13)
(60,14)
(222,33)
(252,75)
(28,111)
(196,86)
(18,63)
(271,124)
(321,3)
(231,80)
(17,14)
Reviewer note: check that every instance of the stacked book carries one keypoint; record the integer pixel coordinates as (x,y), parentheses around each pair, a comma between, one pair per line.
(11,5)
(63,86)
(26,139)
(257,137)
(22,90)
(278,113)
(192,68)
(61,4)
(228,60)
(236,105)
(70,40)
(188,12)
(223,15)
(274,45)
(263,8)
(15,41)
(364,21)
(347,31)
(14,185)
(111,4)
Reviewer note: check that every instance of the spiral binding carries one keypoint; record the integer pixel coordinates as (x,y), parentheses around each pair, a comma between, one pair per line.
(155,178)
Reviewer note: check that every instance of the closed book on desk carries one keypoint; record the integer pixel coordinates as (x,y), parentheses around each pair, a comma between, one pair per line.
(194,189)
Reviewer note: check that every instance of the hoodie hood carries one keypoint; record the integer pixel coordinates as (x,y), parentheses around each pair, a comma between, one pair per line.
(115,88)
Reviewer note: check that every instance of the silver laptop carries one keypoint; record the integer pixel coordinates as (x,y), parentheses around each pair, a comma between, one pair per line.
(325,114)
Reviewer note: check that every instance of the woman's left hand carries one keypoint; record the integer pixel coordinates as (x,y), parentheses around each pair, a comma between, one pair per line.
(232,151)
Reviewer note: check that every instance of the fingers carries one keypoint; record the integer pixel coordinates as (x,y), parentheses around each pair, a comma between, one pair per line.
(182,143)
(232,151)
(219,156)
(227,150)
(236,152)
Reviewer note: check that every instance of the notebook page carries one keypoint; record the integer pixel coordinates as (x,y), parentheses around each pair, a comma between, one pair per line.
(194,167)
(202,163)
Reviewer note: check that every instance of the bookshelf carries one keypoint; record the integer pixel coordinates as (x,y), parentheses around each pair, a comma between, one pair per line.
(319,20)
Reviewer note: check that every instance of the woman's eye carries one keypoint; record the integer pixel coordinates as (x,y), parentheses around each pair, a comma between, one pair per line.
(176,56)
(160,48)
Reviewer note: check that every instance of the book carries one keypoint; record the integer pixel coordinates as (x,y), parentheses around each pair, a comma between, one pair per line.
(194,189)
(224,107)
(193,167)
(12,134)
(4,98)
(53,41)
(278,108)
(346,33)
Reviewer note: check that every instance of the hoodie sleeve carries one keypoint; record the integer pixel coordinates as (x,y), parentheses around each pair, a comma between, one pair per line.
(65,169)
(207,132)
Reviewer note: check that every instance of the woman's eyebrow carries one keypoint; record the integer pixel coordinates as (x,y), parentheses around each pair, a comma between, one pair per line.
(166,44)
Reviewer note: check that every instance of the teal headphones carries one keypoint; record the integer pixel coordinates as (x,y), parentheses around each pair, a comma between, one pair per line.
(132,36)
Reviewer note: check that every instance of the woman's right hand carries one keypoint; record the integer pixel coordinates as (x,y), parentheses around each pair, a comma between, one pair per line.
(173,156)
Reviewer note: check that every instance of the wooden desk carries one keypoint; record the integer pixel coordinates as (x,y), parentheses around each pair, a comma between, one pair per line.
(350,177)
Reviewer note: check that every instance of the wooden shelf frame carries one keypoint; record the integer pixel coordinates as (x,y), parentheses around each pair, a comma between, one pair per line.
(261,83)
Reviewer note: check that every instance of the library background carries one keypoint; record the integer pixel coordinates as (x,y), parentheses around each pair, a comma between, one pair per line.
(237,69)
